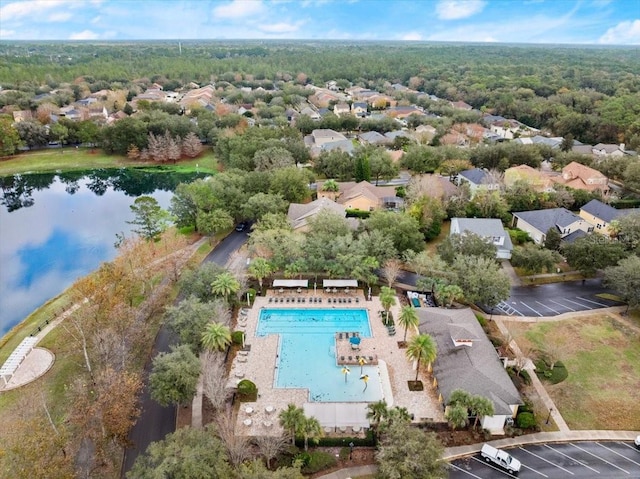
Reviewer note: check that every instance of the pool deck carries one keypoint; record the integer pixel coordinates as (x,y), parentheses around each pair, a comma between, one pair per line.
(260,418)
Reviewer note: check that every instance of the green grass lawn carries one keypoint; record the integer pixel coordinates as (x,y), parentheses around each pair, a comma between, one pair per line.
(70,159)
(602,358)
(444,233)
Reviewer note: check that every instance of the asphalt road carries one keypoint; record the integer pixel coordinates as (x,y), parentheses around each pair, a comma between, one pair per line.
(577,460)
(155,421)
(547,299)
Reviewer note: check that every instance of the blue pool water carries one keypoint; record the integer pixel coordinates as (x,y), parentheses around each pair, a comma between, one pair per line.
(306,356)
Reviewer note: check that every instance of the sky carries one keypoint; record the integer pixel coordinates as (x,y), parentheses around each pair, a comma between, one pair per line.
(612,22)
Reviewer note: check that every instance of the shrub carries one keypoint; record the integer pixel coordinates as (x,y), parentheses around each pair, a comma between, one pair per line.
(526,420)
(556,375)
(519,237)
(318,461)
(482,320)
(352,213)
(247,390)
(236,337)
(344,453)
(252,294)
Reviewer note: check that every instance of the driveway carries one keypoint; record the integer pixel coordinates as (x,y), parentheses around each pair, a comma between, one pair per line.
(155,421)
(584,460)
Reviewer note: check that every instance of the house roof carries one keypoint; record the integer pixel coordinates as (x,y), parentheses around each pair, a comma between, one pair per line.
(373,137)
(475,176)
(607,148)
(578,170)
(299,213)
(544,220)
(582,149)
(528,174)
(483,227)
(392,135)
(574,235)
(605,212)
(473,367)
(350,189)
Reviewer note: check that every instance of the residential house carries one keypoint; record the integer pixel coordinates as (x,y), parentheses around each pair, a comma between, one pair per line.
(323,136)
(524,173)
(380,100)
(22,115)
(299,213)
(373,138)
(538,222)
(609,151)
(477,179)
(581,177)
(467,360)
(311,113)
(341,109)
(327,140)
(323,98)
(600,215)
(460,105)
(363,196)
(488,228)
(403,112)
(425,133)
(392,135)
(359,109)
(582,149)
(98,113)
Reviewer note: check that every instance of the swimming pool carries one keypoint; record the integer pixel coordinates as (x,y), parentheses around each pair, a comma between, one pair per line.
(306,353)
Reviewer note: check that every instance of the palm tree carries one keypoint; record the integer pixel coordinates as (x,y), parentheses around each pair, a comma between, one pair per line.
(457,415)
(346,371)
(365,378)
(408,318)
(422,349)
(377,412)
(361,361)
(480,406)
(387,299)
(311,429)
(292,419)
(225,285)
(330,185)
(259,269)
(216,336)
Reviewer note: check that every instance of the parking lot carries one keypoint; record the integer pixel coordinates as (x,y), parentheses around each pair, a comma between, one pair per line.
(578,460)
(554,299)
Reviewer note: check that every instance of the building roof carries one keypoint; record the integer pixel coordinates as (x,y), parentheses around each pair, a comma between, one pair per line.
(544,220)
(605,212)
(483,227)
(607,148)
(475,176)
(578,170)
(373,137)
(299,213)
(472,364)
(574,235)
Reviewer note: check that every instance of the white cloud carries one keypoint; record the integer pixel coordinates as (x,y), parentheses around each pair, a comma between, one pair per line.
(457,9)
(281,27)
(239,9)
(624,33)
(411,37)
(84,35)
(59,17)
(15,10)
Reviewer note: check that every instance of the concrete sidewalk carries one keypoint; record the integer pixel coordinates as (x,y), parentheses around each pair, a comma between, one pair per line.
(451,453)
(351,472)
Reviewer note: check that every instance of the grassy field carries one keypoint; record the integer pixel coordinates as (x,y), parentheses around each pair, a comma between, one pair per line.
(602,357)
(70,159)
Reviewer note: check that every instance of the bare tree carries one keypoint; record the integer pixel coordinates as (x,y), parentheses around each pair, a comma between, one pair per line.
(237,266)
(270,446)
(424,185)
(494,177)
(191,145)
(214,379)
(237,446)
(391,270)
(553,348)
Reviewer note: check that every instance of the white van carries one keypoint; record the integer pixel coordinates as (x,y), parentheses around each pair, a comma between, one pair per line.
(501,458)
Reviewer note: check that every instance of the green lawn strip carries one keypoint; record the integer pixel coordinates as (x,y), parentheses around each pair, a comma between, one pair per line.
(48,311)
(609,296)
(603,374)
(71,159)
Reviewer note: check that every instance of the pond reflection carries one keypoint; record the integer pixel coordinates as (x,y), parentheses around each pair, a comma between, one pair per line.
(57,228)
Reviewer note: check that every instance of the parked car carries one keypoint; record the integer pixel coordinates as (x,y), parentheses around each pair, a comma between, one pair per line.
(637,442)
(501,458)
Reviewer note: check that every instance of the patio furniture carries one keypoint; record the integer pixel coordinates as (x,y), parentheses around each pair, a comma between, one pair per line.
(248,410)
(269,409)
(357,300)
(247,422)
(267,423)
(270,300)
(342,429)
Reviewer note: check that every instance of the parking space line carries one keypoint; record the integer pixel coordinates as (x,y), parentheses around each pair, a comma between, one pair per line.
(560,304)
(492,466)
(526,305)
(617,453)
(549,308)
(628,445)
(532,469)
(546,460)
(594,302)
(599,458)
(465,471)
(579,304)
(573,459)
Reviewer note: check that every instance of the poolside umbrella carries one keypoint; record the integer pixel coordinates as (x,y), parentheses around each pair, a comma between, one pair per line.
(355,340)
(345,371)
(365,378)
(361,361)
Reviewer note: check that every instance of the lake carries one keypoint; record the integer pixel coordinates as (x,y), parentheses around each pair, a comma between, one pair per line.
(56,228)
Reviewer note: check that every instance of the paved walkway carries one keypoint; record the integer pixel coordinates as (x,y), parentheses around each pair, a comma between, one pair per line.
(514,279)
(351,472)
